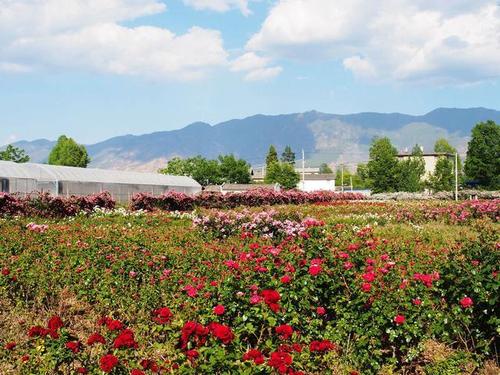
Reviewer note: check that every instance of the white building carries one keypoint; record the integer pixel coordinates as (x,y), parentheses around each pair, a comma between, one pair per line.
(240,188)
(314,182)
(65,181)
(430,160)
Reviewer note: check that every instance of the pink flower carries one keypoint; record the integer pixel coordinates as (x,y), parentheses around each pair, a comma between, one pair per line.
(466,302)
(255,299)
(320,310)
(348,265)
(366,287)
(417,301)
(399,319)
(219,310)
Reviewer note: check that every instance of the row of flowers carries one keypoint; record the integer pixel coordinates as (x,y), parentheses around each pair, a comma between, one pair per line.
(175,201)
(46,205)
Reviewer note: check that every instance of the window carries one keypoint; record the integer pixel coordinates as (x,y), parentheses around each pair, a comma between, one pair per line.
(5,185)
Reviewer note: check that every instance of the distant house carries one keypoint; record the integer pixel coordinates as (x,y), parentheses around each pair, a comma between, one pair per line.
(258,173)
(240,188)
(317,181)
(430,160)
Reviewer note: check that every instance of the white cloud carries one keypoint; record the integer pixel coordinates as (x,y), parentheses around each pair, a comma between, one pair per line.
(9,67)
(255,66)
(85,35)
(456,41)
(263,74)
(220,5)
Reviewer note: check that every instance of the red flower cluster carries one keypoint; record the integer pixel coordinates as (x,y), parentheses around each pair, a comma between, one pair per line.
(112,324)
(125,340)
(271,298)
(96,338)
(195,331)
(255,356)
(74,346)
(321,346)
(219,310)
(108,362)
(222,332)
(280,361)
(162,315)
(53,326)
(399,319)
(284,331)
(466,302)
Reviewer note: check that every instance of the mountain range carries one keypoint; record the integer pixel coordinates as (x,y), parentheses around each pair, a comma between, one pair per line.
(324,137)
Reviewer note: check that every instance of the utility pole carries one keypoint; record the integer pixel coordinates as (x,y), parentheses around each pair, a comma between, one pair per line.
(342,176)
(303,171)
(456,176)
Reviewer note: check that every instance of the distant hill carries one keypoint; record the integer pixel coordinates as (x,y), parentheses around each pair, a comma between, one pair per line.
(324,137)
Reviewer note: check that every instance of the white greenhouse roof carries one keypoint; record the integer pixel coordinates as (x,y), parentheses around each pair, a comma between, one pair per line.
(44,172)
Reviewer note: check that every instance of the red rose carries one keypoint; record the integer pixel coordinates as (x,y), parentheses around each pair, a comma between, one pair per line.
(255,356)
(321,346)
(417,301)
(74,346)
(5,271)
(10,345)
(192,354)
(162,315)
(285,279)
(96,338)
(125,340)
(82,370)
(108,362)
(271,298)
(320,310)
(366,287)
(315,269)
(466,302)
(112,324)
(137,372)
(222,332)
(399,319)
(285,331)
(55,323)
(219,310)
(280,361)
(368,277)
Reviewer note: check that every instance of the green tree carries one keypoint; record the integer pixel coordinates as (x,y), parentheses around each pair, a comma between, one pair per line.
(272,156)
(443,177)
(410,172)
(15,154)
(288,156)
(234,170)
(205,172)
(283,174)
(67,152)
(325,168)
(362,176)
(382,167)
(482,163)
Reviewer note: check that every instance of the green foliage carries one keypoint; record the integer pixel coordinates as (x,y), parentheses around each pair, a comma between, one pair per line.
(362,176)
(226,169)
(234,170)
(325,168)
(15,154)
(288,156)
(410,172)
(67,152)
(272,156)
(383,166)
(283,174)
(483,155)
(443,178)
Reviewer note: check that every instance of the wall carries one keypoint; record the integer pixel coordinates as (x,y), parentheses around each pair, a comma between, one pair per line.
(314,185)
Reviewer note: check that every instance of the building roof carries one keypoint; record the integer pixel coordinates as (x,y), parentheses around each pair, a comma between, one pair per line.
(319,177)
(44,172)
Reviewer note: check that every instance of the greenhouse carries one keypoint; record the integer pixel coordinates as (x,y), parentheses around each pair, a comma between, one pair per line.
(28,178)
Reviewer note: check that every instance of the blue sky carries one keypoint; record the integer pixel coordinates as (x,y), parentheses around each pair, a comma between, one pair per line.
(94,69)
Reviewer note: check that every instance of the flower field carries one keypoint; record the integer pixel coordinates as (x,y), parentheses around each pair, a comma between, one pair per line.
(328,287)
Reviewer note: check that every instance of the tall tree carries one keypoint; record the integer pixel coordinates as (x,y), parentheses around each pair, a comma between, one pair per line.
(69,153)
(411,172)
(234,170)
(483,155)
(443,179)
(382,167)
(15,154)
(288,156)
(325,168)
(283,174)
(205,172)
(272,156)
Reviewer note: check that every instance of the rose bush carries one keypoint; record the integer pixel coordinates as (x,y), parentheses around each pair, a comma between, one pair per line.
(154,294)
